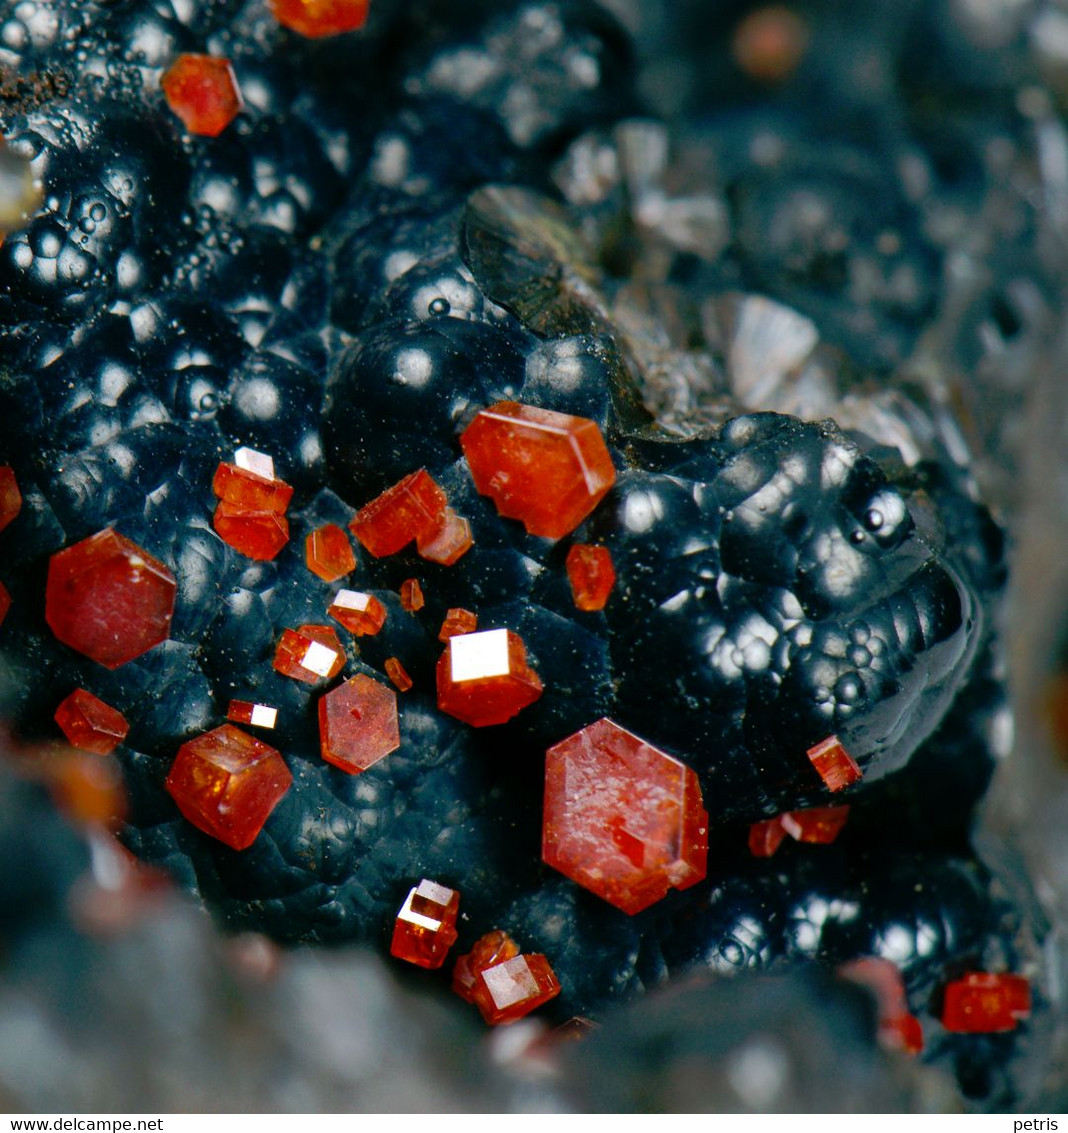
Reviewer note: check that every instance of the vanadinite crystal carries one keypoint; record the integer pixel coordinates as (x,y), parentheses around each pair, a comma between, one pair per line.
(834,765)
(328,553)
(360,613)
(258,534)
(457,621)
(358,724)
(548,470)
(317,18)
(258,715)
(398,674)
(88,789)
(202,91)
(982,1003)
(450,543)
(507,991)
(89,724)
(899,1029)
(591,574)
(413,509)
(766,836)
(226,783)
(109,599)
(250,516)
(309,654)
(818,824)
(411,595)
(425,928)
(10,496)
(622,818)
(483,678)
(489,950)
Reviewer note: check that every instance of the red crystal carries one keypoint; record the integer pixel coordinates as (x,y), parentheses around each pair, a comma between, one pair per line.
(328,553)
(358,724)
(258,715)
(549,470)
(360,613)
(310,654)
(898,1029)
(457,621)
(766,837)
(89,790)
(591,574)
(425,928)
(258,534)
(835,766)
(10,496)
(202,91)
(511,989)
(449,543)
(411,595)
(89,724)
(489,950)
(414,508)
(820,824)
(982,1003)
(109,599)
(226,783)
(483,678)
(398,674)
(250,491)
(622,818)
(317,18)
(5,602)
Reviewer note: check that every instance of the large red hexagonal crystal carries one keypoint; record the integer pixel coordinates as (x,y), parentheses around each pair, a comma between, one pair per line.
(202,91)
(226,783)
(317,18)
(109,599)
(483,678)
(549,470)
(358,724)
(622,818)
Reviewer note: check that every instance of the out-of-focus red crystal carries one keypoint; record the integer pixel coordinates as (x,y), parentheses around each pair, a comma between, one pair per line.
(328,553)
(507,991)
(622,818)
(317,18)
(202,91)
(246,712)
(10,496)
(360,613)
(818,824)
(413,509)
(766,836)
(411,595)
(89,790)
(983,1003)
(309,654)
(5,602)
(109,599)
(89,724)
(457,621)
(425,928)
(358,724)
(898,1028)
(226,783)
(483,678)
(591,574)
(835,766)
(449,543)
(398,674)
(489,950)
(258,534)
(549,470)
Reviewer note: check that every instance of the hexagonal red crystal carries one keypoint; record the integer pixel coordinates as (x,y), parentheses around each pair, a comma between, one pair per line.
(985,1003)
(309,654)
(248,712)
(10,496)
(202,91)
(328,553)
(358,724)
(413,509)
(490,949)
(622,818)
(250,491)
(226,783)
(411,595)
(317,18)
(457,621)
(258,534)
(359,612)
(109,599)
(425,928)
(449,543)
(591,574)
(513,988)
(89,724)
(834,765)
(549,470)
(483,678)
(398,674)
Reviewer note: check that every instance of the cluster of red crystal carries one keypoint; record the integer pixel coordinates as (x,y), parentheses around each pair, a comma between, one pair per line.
(328,553)
(258,715)
(834,765)
(309,654)
(315,19)
(899,1029)
(591,574)
(983,1003)
(250,516)
(398,674)
(109,599)
(819,824)
(202,91)
(483,678)
(358,724)
(10,496)
(490,949)
(89,724)
(425,928)
(411,595)
(360,613)
(622,818)
(548,470)
(414,509)
(226,783)
(457,621)
(503,983)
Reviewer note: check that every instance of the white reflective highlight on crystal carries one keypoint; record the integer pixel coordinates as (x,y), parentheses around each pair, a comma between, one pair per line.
(474,656)
(432,891)
(352,600)
(510,982)
(319,659)
(263,716)
(411,917)
(258,463)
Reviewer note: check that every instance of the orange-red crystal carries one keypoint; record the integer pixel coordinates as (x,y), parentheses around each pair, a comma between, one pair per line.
(411,595)
(483,678)
(360,613)
(358,724)
(328,553)
(317,18)
(309,654)
(766,836)
(398,674)
(898,1028)
(489,950)
(10,496)
(591,574)
(834,765)
(457,621)
(257,715)
(413,509)
(513,988)
(983,1003)
(449,543)
(425,928)
(202,91)
(89,724)
(258,534)
(250,491)
(818,824)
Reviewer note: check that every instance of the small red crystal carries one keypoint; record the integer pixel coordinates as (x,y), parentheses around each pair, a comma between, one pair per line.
(449,543)
(819,824)
(591,574)
(250,491)
(457,621)
(398,674)
(622,818)
(360,613)
(835,766)
(358,724)
(983,1003)
(425,928)
(10,496)
(109,599)
(549,470)
(310,654)
(328,553)
(489,950)
(413,509)
(317,18)
(258,715)
(202,91)
(5,602)
(411,595)
(226,783)
(259,535)
(89,724)
(766,837)
(898,1029)
(513,988)
(483,678)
